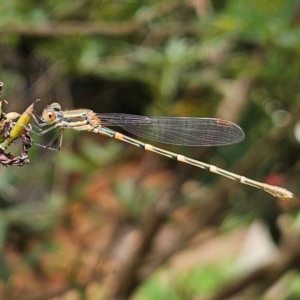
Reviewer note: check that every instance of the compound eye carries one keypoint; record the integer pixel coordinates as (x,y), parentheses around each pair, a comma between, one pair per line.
(48,116)
(56,106)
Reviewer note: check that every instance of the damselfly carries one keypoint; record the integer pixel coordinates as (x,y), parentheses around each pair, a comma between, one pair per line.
(171,130)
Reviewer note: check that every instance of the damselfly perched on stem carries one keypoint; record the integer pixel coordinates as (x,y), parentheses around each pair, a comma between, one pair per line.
(170,130)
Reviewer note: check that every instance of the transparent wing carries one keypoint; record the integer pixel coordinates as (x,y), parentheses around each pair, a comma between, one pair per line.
(177,130)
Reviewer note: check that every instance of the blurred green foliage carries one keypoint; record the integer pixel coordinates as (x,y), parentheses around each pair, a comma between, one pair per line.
(203,279)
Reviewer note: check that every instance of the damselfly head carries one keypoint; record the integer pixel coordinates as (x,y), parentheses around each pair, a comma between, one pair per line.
(49,113)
